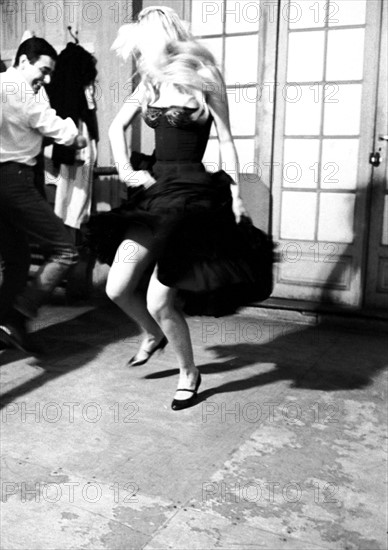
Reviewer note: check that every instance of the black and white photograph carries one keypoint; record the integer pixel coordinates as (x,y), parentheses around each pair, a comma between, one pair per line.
(193,274)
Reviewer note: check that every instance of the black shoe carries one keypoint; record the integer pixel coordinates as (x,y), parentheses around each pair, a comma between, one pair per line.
(16,337)
(135,362)
(179,404)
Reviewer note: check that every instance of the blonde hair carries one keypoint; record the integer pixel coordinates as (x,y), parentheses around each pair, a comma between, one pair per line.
(166,52)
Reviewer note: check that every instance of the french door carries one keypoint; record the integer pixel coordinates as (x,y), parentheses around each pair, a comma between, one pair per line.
(330,205)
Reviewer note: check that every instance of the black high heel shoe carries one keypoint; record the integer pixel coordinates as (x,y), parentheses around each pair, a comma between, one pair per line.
(135,362)
(179,404)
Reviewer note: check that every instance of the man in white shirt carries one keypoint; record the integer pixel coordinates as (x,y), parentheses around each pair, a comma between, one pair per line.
(25,118)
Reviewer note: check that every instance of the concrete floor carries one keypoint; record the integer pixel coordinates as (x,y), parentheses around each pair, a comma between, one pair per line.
(285,448)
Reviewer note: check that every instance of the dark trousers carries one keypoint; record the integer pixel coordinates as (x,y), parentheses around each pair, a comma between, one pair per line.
(25,213)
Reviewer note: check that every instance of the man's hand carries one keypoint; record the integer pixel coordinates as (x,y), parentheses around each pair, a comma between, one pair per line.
(79,142)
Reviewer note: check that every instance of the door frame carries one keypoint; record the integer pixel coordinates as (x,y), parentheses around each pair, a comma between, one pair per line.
(376,265)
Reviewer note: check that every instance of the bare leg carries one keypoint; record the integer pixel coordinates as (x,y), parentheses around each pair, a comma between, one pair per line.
(161,304)
(133,257)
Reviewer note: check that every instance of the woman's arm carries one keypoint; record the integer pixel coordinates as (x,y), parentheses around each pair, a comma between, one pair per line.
(121,154)
(218,106)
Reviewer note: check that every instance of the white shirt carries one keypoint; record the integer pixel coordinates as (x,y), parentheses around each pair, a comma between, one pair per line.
(25,117)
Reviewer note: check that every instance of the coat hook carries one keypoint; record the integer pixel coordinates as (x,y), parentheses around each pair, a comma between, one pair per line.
(75,36)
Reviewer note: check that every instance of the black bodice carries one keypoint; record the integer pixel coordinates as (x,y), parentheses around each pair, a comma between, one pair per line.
(177,136)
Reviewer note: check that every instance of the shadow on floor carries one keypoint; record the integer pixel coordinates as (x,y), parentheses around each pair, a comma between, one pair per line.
(69,346)
(317,357)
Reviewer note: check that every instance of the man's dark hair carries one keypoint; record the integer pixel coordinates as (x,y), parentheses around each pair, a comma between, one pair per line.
(33,48)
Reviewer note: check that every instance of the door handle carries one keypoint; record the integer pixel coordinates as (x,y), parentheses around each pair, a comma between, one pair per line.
(383,138)
(375,159)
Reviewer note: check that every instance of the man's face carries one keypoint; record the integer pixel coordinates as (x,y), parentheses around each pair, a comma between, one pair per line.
(39,73)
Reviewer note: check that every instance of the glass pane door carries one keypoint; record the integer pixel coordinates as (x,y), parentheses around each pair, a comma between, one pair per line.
(324,117)
(230,29)
(242,36)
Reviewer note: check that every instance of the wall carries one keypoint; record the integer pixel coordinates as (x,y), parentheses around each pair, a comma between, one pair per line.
(97,24)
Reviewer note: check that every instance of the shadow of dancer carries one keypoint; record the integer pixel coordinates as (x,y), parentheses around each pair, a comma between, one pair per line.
(318,357)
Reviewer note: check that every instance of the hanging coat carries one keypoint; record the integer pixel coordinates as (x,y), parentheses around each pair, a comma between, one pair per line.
(75,70)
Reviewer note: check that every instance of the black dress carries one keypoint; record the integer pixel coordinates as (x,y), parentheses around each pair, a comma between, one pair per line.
(216,264)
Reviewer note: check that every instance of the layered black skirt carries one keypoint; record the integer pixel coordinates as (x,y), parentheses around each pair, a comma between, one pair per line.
(216,265)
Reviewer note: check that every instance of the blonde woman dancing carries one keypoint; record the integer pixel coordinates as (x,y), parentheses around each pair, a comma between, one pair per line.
(182,229)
